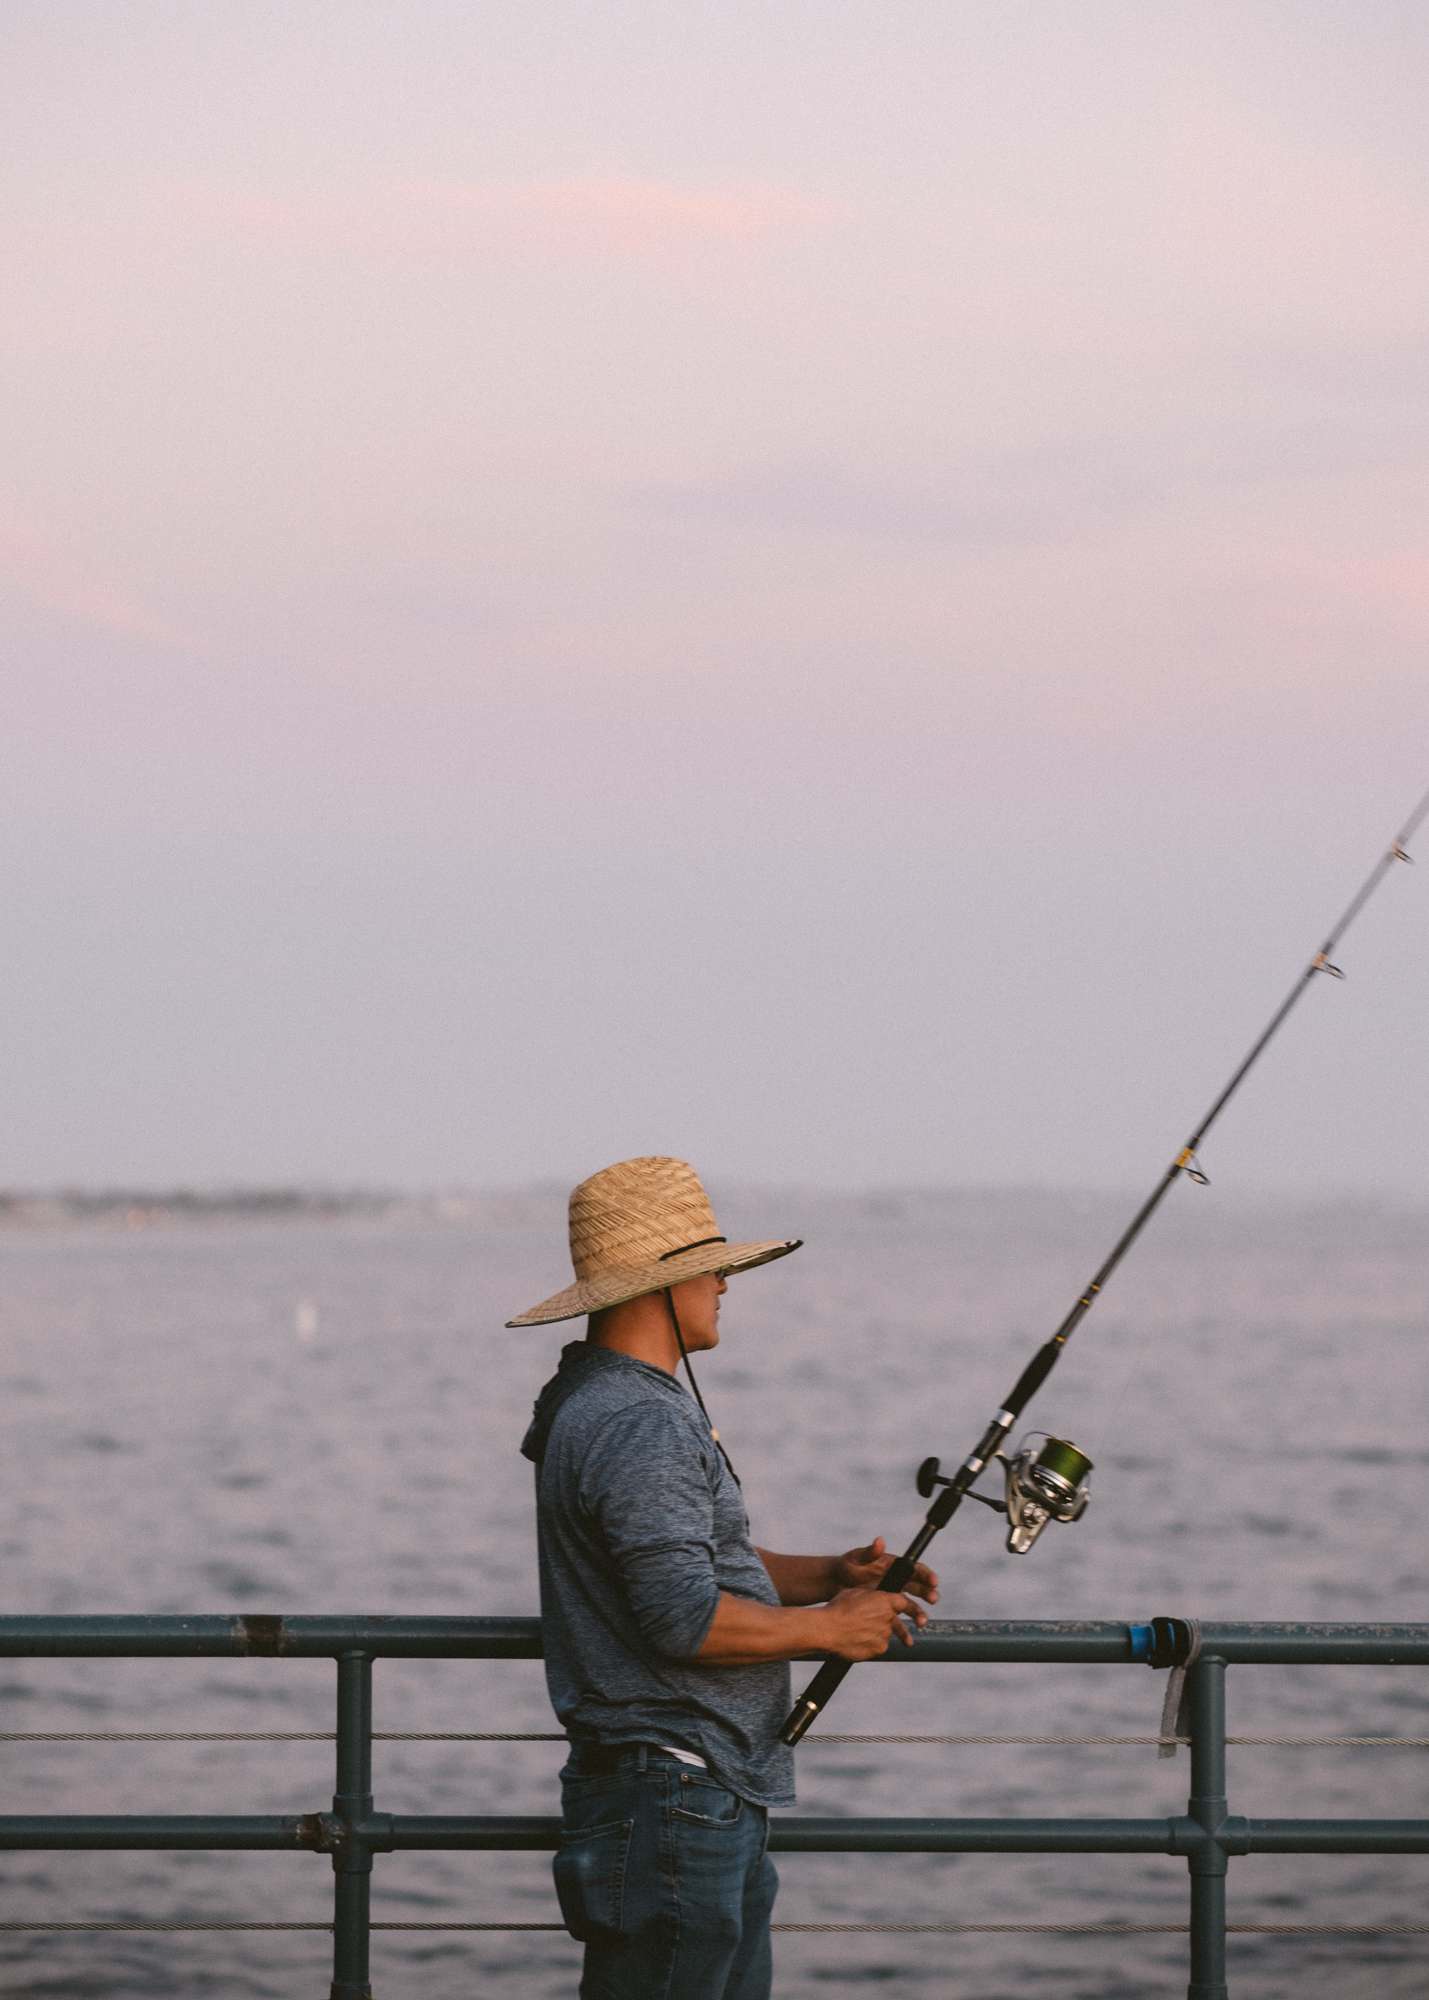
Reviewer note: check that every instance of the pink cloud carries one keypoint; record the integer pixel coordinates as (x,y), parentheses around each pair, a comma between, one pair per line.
(59,578)
(604,215)
(1396,584)
(631,215)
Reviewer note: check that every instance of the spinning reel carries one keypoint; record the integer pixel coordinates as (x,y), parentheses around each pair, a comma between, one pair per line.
(1042,1483)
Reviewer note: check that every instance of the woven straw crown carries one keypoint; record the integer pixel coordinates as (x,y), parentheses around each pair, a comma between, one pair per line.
(637,1227)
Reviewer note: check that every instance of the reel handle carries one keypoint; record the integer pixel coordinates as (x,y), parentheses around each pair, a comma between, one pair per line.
(796,1723)
(928,1478)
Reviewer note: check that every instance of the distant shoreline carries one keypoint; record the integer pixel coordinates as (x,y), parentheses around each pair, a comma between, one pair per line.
(139,1208)
(870,1209)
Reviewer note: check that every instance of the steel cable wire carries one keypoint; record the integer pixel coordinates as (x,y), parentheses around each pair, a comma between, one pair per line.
(530,1736)
(12,1926)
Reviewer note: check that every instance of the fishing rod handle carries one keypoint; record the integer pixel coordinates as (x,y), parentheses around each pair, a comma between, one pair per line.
(826,1680)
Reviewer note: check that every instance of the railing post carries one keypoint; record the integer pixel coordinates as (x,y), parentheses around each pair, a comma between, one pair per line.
(351,1809)
(1207,1808)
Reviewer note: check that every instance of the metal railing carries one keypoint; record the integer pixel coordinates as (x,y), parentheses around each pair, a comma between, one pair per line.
(1206,1836)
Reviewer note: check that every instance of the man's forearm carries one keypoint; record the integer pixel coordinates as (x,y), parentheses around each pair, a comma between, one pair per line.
(745,1633)
(801,1579)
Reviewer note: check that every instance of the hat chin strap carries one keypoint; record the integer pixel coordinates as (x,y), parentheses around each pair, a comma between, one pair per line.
(669,1299)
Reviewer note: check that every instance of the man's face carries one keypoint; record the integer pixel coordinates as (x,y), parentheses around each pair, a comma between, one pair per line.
(697,1303)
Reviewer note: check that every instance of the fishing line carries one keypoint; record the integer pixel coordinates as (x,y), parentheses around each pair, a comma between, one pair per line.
(1049,1482)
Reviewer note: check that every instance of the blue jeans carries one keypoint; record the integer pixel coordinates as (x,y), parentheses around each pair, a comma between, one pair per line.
(663,1875)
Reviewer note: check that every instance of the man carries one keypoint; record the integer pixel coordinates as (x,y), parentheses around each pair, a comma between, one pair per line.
(667,1634)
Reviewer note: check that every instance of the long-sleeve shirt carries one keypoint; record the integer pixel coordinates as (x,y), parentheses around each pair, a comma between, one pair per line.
(641,1526)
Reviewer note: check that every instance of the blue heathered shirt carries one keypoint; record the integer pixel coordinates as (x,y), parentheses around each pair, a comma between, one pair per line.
(641,1526)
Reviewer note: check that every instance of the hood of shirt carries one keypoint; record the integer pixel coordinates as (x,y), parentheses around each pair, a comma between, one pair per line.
(580,1360)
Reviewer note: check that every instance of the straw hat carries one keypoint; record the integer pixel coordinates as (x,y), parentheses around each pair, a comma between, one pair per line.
(637,1227)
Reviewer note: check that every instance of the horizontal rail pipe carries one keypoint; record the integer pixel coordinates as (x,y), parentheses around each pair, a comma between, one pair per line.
(109,1831)
(514,1833)
(268,1635)
(259,1635)
(1337,1836)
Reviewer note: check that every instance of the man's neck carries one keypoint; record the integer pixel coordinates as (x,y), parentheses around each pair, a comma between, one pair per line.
(640,1328)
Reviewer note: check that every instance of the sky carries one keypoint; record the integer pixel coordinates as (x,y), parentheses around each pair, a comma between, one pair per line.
(837,590)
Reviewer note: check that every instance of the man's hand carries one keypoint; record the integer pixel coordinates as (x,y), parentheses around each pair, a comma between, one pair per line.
(860,1623)
(862,1569)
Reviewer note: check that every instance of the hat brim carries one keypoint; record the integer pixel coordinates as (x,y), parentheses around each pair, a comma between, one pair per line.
(614,1288)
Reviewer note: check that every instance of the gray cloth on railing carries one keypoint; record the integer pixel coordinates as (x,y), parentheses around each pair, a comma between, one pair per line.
(1176,1708)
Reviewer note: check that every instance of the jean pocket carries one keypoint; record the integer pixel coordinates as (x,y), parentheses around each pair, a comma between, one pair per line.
(705,1803)
(590,1880)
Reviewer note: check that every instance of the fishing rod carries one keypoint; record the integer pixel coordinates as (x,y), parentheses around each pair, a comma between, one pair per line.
(1050,1482)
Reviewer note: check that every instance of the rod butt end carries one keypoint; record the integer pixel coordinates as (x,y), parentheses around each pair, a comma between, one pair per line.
(798,1720)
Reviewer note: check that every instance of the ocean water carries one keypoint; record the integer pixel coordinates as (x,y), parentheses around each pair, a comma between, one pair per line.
(323,1416)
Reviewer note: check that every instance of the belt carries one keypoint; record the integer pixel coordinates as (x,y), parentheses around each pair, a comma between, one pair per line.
(599,1760)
